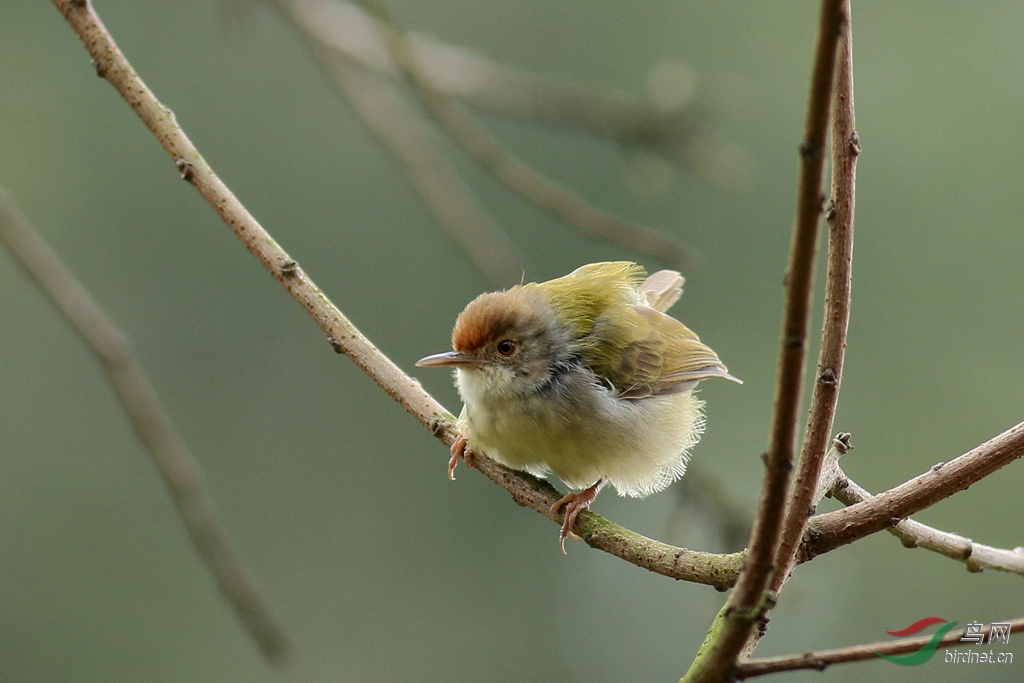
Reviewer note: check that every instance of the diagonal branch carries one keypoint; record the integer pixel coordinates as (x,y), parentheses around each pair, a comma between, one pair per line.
(530,184)
(822,659)
(734,624)
(914,534)
(834,529)
(412,143)
(461,73)
(167,451)
(716,570)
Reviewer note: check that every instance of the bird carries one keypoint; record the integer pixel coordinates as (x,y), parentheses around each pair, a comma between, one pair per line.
(584,376)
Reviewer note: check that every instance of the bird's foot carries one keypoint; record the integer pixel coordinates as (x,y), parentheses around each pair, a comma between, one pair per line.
(574,503)
(460,449)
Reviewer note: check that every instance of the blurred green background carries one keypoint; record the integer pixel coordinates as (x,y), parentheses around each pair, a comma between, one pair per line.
(380,567)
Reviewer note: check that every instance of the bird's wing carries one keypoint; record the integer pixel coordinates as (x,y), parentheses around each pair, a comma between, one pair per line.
(643,352)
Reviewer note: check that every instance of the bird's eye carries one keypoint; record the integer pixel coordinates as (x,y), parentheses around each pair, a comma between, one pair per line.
(506,347)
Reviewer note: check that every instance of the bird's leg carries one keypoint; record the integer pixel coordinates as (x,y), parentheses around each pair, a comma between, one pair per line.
(460,449)
(574,503)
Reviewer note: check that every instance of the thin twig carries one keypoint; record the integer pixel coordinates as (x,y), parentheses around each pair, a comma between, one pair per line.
(834,529)
(154,427)
(749,601)
(716,570)
(825,396)
(914,534)
(521,178)
(375,100)
(463,73)
(822,659)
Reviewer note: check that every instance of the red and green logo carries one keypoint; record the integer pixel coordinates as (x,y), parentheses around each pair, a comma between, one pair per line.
(927,650)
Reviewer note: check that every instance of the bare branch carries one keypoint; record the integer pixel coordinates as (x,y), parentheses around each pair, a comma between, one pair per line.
(521,178)
(716,570)
(735,622)
(411,142)
(154,427)
(825,396)
(913,534)
(462,73)
(822,659)
(833,529)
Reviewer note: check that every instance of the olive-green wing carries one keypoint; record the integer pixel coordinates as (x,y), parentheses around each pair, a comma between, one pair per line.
(643,352)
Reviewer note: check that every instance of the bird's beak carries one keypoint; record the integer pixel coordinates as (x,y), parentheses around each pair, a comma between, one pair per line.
(454,358)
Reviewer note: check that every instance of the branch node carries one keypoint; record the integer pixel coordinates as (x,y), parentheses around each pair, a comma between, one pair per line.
(101,70)
(187,170)
(439,423)
(828,378)
(937,466)
(289,267)
(842,444)
(854,144)
(830,210)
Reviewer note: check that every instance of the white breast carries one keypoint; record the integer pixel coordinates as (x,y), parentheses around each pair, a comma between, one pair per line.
(584,434)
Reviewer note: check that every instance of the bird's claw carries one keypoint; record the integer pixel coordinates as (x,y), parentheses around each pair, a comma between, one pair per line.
(460,449)
(574,503)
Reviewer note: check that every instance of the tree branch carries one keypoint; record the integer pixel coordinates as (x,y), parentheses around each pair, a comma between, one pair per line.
(462,73)
(749,601)
(822,659)
(154,427)
(834,529)
(375,100)
(913,534)
(530,184)
(716,570)
(825,396)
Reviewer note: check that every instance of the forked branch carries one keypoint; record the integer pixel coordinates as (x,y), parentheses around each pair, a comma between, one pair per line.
(975,556)
(403,132)
(839,214)
(735,622)
(529,183)
(834,529)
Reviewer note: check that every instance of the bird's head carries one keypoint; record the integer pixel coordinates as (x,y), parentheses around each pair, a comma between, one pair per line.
(507,342)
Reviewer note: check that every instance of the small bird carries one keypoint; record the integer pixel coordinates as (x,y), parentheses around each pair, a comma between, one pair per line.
(584,376)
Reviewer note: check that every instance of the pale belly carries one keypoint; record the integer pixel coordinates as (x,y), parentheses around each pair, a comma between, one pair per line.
(639,446)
